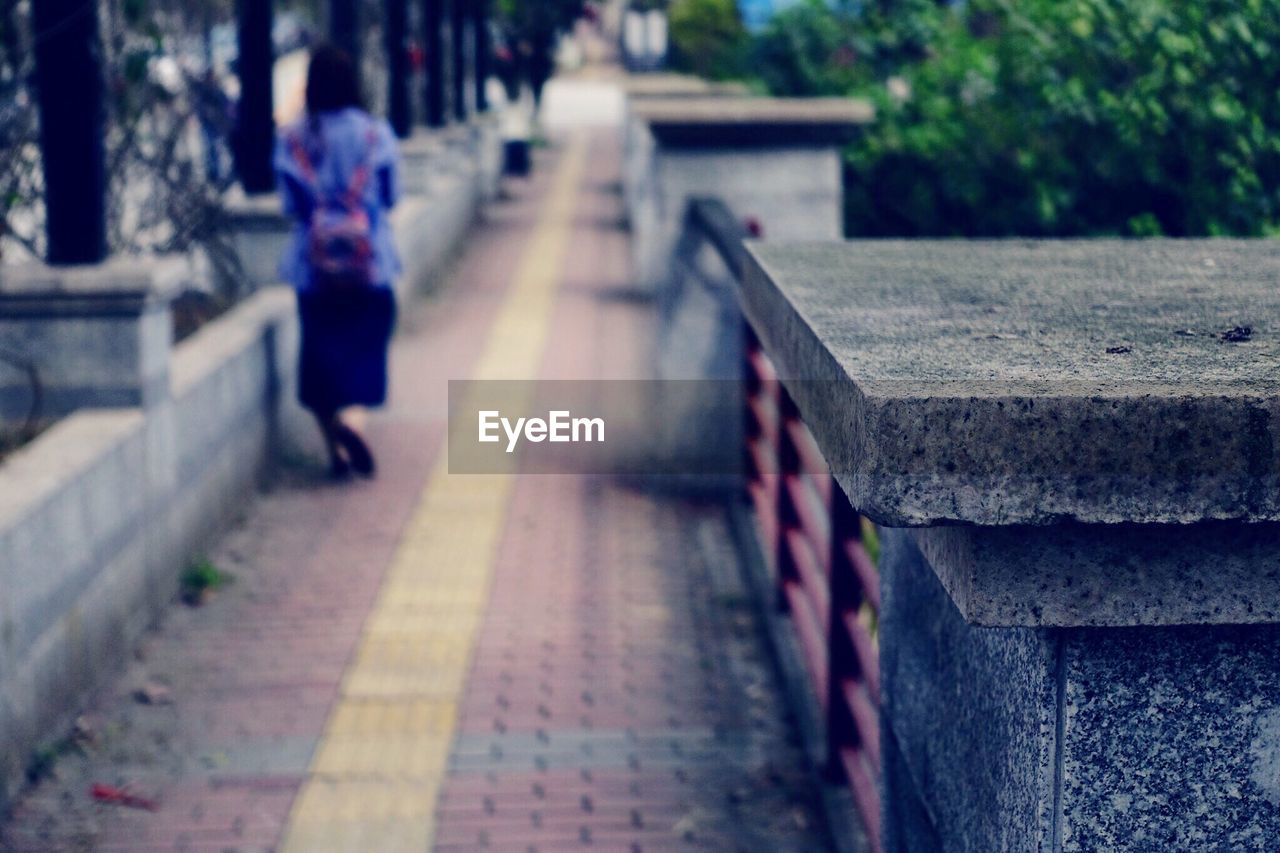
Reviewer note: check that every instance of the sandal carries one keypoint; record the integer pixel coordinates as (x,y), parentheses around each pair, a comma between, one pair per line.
(357,451)
(339,466)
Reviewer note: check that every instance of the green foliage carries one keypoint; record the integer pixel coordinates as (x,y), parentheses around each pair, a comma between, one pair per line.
(528,32)
(201,579)
(825,47)
(42,762)
(707,37)
(44,759)
(1049,117)
(537,19)
(870,539)
(807,50)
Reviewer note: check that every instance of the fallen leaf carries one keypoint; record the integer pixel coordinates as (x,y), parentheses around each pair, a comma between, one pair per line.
(153,693)
(120,797)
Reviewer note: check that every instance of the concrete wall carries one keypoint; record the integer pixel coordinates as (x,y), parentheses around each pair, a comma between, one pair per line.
(969,768)
(795,192)
(99,515)
(96,335)
(429,227)
(1071,739)
(1098,676)
(448,178)
(107,360)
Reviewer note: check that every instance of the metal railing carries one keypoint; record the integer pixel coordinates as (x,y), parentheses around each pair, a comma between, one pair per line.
(815,545)
(818,550)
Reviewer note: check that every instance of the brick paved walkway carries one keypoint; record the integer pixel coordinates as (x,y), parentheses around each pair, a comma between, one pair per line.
(530,663)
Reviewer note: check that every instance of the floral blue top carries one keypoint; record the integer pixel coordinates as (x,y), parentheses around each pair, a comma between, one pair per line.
(336,144)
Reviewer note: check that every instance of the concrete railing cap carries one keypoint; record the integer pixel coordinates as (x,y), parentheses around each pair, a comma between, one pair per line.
(1018,382)
(751,121)
(676,85)
(122,282)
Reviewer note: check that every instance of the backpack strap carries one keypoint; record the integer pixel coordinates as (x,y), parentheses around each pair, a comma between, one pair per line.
(359,177)
(300,156)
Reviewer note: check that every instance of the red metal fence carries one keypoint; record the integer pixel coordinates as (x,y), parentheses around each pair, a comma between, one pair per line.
(819,553)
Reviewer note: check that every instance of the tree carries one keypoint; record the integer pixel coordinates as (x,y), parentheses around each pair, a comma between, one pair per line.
(1047,117)
(529,31)
(808,49)
(160,196)
(707,37)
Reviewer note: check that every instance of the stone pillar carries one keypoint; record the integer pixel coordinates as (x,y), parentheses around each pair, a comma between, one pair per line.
(255,130)
(97,335)
(399,112)
(258,228)
(68,77)
(1077,478)
(458,52)
(637,141)
(773,160)
(776,160)
(480,29)
(433,50)
(345,30)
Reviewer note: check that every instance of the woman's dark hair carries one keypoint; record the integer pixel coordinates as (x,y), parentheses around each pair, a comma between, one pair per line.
(332,83)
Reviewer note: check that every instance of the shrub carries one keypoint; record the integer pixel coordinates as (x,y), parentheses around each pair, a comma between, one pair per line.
(806,50)
(707,37)
(201,580)
(1050,117)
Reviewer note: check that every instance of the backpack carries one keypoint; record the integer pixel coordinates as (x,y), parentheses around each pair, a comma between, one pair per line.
(339,246)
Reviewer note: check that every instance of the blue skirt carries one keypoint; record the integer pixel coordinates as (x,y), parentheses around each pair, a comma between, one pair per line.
(344,347)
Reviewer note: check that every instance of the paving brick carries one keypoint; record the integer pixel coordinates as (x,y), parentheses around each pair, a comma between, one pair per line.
(266,657)
(599,674)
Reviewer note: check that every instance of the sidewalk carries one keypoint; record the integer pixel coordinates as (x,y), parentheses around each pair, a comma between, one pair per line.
(464,662)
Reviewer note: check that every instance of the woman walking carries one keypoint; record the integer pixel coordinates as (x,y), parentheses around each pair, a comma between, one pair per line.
(338,174)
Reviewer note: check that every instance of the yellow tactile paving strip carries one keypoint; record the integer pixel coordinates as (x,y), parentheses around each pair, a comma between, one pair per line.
(373,780)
